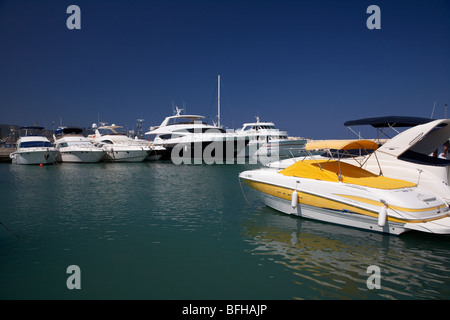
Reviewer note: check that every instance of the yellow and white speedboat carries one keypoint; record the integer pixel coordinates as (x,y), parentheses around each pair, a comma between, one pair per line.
(333,191)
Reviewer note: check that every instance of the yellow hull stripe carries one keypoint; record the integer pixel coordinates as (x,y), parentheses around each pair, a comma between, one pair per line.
(323,202)
(377,203)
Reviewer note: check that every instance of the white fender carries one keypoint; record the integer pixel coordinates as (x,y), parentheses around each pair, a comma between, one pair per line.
(382,216)
(294,199)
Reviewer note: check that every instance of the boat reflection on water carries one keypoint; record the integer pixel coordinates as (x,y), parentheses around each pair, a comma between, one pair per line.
(331,262)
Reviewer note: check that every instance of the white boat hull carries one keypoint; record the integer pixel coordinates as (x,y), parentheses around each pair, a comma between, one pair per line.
(351,205)
(210,150)
(333,216)
(37,156)
(127,155)
(81,156)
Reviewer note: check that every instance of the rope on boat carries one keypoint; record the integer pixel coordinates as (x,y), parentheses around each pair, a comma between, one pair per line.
(243,193)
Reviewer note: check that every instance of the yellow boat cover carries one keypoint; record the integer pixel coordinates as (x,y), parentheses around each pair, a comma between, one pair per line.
(329,171)
(341,144)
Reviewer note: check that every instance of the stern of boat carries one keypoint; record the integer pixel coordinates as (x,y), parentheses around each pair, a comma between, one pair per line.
(438,226)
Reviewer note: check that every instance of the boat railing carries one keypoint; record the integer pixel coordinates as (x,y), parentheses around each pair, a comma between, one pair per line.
(127,143)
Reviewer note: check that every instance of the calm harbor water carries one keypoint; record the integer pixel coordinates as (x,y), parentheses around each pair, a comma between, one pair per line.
(156,230)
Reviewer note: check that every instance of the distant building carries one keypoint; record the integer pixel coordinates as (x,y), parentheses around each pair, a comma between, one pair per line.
(9,133)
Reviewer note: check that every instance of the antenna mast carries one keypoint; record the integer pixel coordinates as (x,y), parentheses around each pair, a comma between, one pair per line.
(218,100)
(432,112)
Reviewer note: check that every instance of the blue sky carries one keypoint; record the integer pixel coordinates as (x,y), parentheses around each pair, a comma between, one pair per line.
(307,65)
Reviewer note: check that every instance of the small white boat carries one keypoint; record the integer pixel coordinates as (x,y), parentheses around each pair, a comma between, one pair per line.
(337,192)
(33,148)
(118,146)
(268,144)
(74,147)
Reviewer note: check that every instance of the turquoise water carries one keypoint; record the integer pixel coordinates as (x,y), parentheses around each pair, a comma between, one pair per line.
(156,230)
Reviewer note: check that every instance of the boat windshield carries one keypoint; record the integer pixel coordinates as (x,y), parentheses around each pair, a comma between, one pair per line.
(107,141)
(74,143)
(31,131)
(258,127)
(185,120)
(109,131)
(35,144)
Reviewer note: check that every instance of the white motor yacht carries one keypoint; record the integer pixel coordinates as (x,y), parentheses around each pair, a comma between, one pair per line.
(334,191)
(187,137)
(74,147)
(33,148)
(268,144)
(117,145)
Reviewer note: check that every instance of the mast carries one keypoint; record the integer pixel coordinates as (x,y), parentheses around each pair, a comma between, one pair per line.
(218,100)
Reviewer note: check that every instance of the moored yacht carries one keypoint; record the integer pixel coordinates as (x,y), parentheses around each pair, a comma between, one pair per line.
(187,137)
(267,143)
(74,147)
(33,147)
(117,145)
(338,192)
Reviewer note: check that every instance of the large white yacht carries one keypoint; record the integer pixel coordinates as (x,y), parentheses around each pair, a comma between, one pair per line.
(188,137)
(74,147)
(337,192)
(33,148)
(118,146)
(268,144)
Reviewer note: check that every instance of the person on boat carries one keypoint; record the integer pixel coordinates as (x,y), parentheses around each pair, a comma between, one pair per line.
(442,152)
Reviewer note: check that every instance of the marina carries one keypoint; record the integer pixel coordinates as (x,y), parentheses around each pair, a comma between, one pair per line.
(318,170)
(197,231)
(155,230)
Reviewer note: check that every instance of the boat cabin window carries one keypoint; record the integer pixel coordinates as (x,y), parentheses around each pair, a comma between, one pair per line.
(202,130)
(182,132)
(259,127)
(419,158)
(62,145)
(277,137)
(107,141)
(31,131)
(175,121)
(424,150)
(35,144)
(108,131)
